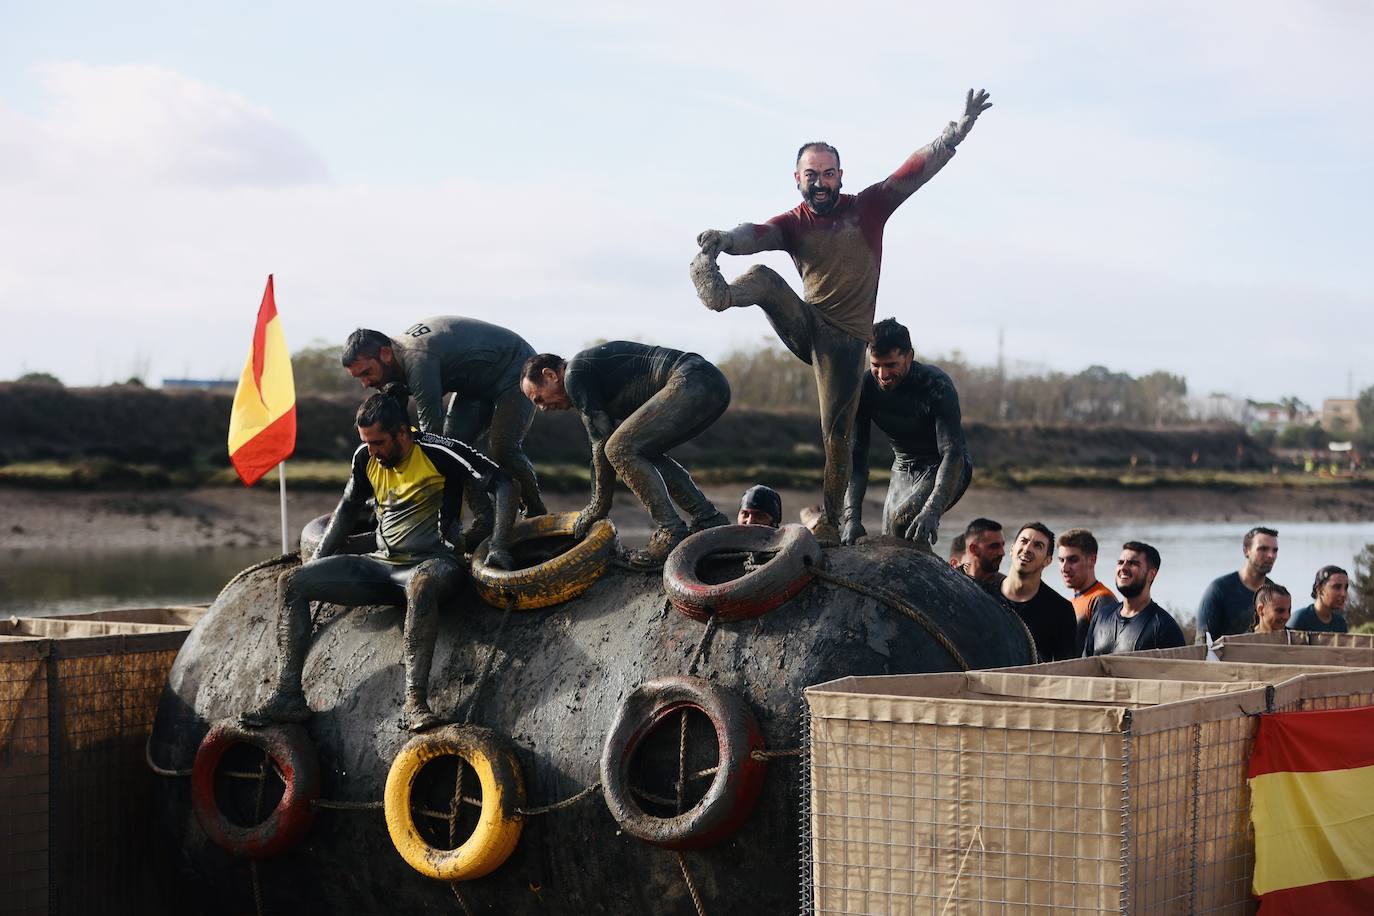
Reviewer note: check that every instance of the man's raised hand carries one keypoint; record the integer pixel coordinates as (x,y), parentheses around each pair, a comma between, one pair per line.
(976,103)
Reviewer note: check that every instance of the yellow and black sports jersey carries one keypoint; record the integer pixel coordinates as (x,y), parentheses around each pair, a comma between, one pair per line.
(419,498)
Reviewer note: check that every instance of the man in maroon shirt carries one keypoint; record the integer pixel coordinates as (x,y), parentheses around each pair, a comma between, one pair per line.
(836,241)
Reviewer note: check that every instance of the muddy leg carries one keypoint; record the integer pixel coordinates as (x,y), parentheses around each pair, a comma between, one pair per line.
(428,584)
(695,396)
(511,416)
(688,496)
(839,365)
(762,286)
(345,580)
(465,421)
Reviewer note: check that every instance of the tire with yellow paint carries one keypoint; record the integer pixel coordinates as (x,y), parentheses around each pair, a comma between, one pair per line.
(493,758)
(553,581)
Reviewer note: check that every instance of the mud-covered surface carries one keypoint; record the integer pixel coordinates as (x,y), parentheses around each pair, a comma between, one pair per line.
(559,677)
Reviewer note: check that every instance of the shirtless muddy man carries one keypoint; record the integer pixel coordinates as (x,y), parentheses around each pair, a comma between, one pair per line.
(836,241)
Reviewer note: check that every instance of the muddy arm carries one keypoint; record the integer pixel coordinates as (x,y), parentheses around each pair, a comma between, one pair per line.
(347,514)
(746,238)
(599,429)
(949,436)
(922,165)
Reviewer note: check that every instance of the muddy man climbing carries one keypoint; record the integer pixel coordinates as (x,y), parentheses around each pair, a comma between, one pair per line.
(637,402)
(836,241)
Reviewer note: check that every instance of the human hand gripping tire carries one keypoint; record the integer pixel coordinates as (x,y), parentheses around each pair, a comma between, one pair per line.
(924,527)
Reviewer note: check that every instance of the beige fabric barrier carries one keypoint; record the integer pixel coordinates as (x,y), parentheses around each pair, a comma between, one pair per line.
(1044,790)
(1307,638)
(76,706)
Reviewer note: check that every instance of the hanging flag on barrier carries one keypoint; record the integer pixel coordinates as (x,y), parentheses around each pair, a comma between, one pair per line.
(1312,804)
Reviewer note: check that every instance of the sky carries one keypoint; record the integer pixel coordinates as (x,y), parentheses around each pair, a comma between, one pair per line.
(1163,185)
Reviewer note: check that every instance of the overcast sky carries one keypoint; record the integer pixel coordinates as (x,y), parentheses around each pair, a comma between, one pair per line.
(1159,185)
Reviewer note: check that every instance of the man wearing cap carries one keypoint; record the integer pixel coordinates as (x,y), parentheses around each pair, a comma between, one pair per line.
(760,505)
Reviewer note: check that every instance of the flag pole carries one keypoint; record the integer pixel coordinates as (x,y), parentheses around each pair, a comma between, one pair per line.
(281,479)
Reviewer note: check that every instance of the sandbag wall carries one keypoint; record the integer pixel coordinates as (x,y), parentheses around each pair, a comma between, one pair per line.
(77,701)
(1045,788)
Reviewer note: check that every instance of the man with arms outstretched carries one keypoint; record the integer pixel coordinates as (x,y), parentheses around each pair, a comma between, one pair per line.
(417,482)
(917,407)
(637,402)
(836,242)
(479,363)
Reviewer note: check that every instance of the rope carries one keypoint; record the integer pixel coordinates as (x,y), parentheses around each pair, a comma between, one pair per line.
(455,805)
(888,598)
(682,757)
(487,666)
(977,838)
(772,755)
(347,805)
(691,886)
(621,564)
(458,895)
(257,885)
(703,648)
(160,771)
(559,806)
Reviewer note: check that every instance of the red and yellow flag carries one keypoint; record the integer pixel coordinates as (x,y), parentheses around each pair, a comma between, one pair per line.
(262,426)
(1312,803)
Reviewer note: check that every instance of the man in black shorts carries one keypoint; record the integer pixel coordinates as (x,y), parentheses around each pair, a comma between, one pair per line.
(479,363)
(917,407)
(417,482)
(637,402)
(836,242)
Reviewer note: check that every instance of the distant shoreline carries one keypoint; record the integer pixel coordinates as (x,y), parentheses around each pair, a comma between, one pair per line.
(210,516)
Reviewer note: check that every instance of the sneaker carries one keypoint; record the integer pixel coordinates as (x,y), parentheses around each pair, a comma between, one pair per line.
(661,543)
(710,521)
(826,533)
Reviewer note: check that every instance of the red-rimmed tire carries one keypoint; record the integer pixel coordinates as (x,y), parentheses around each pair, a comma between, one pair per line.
(290,749)
(735,786)
(752,594)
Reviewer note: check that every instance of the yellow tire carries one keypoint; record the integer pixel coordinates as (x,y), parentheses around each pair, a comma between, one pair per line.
(554,581)
(503,794)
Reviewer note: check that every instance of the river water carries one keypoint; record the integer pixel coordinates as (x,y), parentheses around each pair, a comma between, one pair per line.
(41,583)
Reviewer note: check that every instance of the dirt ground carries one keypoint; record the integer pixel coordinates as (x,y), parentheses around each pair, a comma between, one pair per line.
(229,516)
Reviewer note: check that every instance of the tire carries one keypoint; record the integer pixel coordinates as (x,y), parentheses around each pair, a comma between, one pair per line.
(290,748)
(503,794)
(554,581)
(752,594)
(358,542)
(735,786)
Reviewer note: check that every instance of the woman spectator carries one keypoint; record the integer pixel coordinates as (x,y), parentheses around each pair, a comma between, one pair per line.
(1326,613)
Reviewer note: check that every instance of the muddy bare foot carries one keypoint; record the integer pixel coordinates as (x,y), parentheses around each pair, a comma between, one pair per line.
(280,708)
(500,559)
(711,287)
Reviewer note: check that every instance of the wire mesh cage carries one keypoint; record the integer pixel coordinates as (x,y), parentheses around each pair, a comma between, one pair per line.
(1007,793)
(77,702)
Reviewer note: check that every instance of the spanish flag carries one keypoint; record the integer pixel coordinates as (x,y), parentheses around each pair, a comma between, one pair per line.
(262,425)
(1312,803)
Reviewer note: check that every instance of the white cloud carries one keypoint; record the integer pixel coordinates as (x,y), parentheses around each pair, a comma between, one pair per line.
(142,125)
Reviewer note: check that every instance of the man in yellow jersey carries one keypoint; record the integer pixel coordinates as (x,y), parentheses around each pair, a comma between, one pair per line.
(1078,567)
(417,481)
